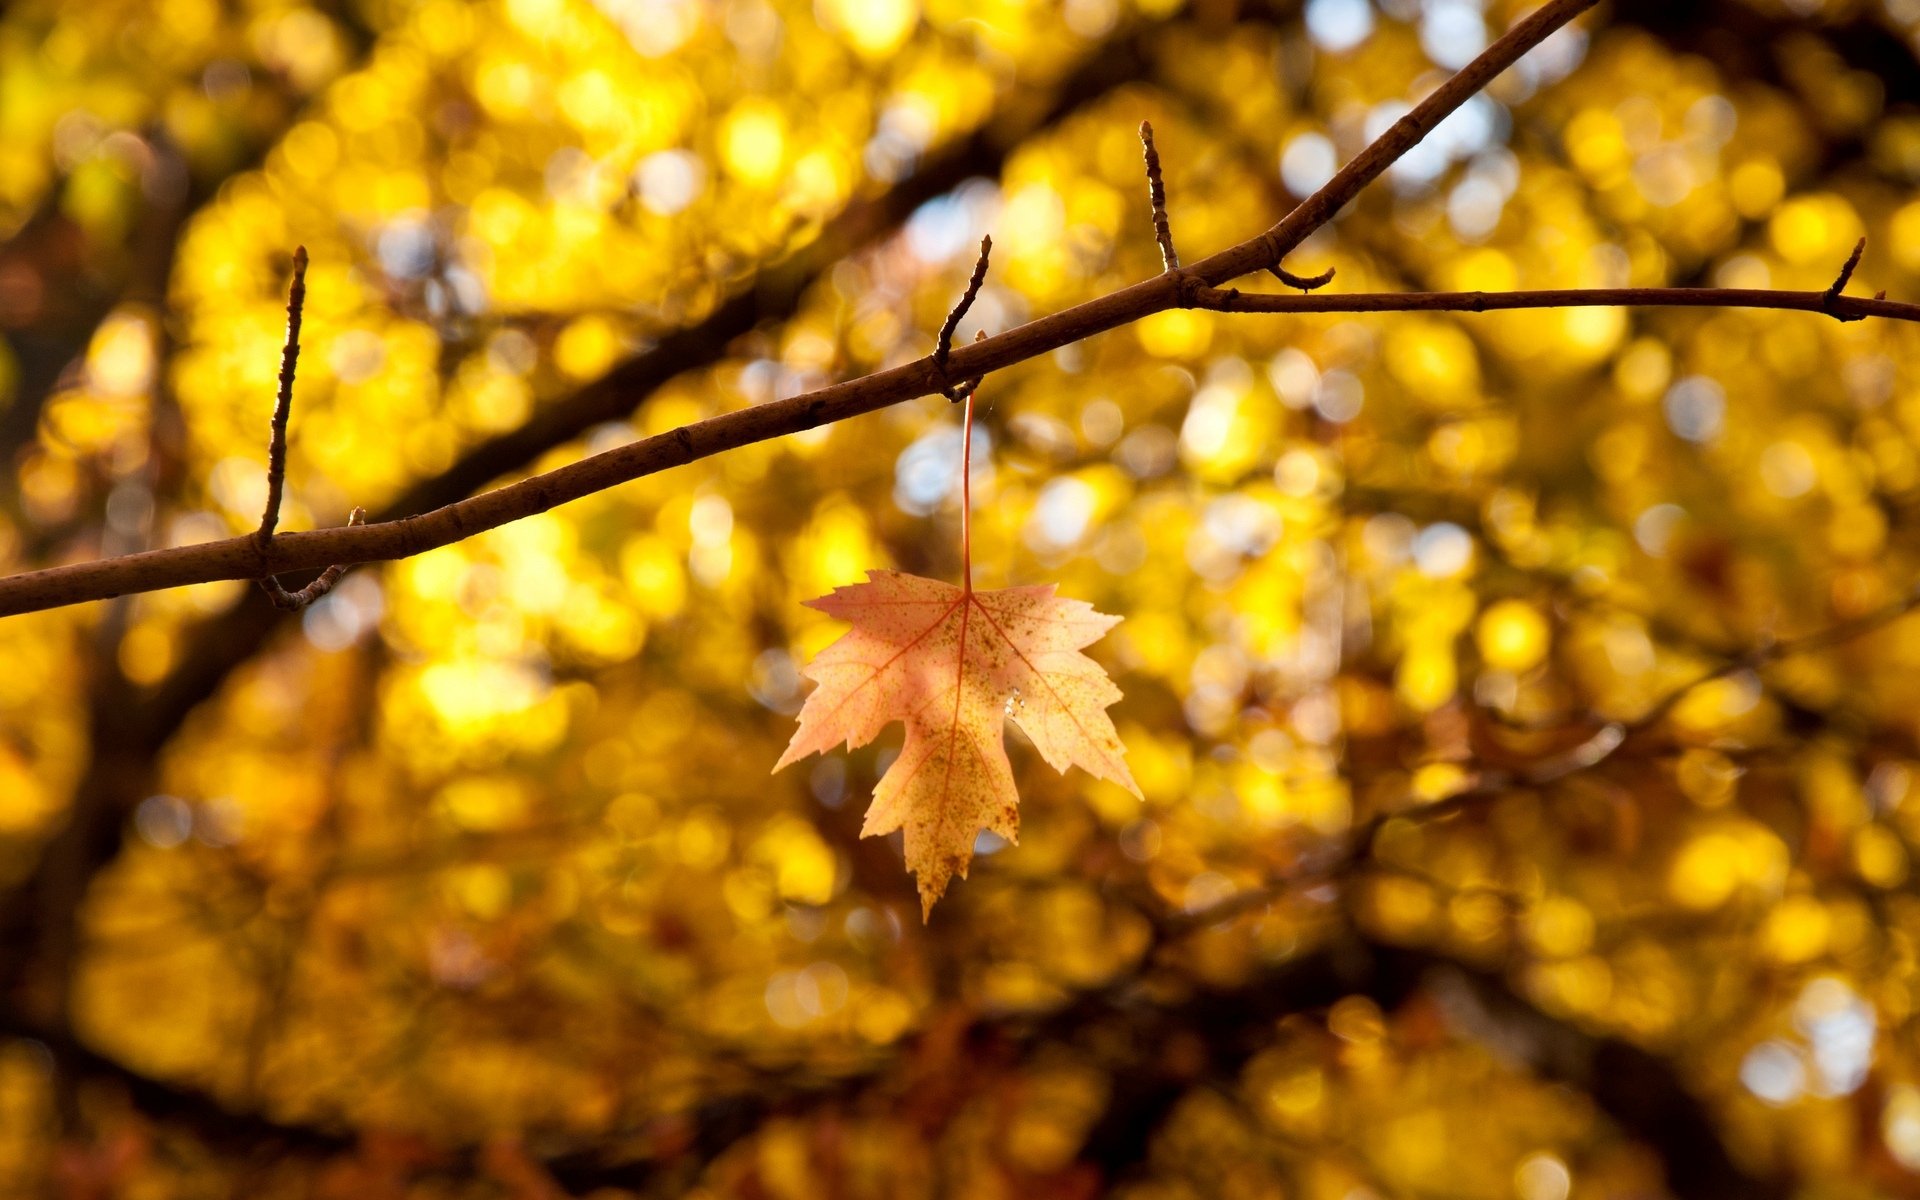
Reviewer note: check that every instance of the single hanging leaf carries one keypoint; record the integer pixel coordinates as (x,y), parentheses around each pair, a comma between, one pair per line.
(952,665)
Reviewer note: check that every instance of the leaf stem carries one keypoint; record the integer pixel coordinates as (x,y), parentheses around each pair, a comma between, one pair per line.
(966,497)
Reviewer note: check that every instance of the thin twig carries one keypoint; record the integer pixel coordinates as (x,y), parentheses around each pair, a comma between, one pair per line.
(277,454)
(944,348)
(295,601)
(1157,195)
(283,403)
(1840,282)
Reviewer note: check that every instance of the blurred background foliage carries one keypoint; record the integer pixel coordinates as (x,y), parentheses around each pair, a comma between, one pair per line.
(1453,877)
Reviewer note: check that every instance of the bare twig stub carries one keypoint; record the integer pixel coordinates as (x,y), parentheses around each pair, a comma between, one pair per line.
(295,601)
(1157,195)
(1839,283)
(283,403)
(944,347)
(1305,283)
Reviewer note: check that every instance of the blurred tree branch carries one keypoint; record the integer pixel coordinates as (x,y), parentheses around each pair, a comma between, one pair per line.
(1597,748)
(141,266)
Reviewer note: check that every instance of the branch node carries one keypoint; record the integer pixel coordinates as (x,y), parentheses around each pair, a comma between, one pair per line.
(1193,292)
(295,601)
(1157,194)
(957,392)
(1829,301)
(283,403)
(1305,283)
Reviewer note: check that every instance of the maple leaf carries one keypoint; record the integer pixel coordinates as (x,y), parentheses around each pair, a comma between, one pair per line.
(953,664)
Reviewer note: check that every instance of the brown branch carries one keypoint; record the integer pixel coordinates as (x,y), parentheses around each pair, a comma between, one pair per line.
(1846,307)
(1157,195)
(247,558)
(283,402)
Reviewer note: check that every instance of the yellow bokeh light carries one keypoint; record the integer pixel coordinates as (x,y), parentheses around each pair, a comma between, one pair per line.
(1756,186)
(1880,856)
(484,803)
(1175,333)
(1435,361)
(1426,678)
(146,653)
(1903,232)
(653,571)
(1560,927)
(753,142)
(1512,636)
(1798,929)
(120,359)
(1817,228)
(1706,872)
(588,346)
(874,28)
